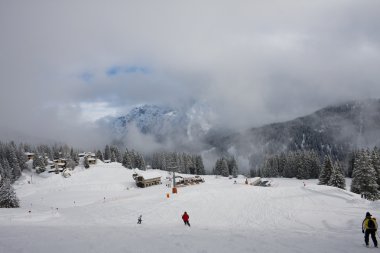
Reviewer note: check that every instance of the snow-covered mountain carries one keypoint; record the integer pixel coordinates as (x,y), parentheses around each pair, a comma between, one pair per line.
(335,130)
(177,125)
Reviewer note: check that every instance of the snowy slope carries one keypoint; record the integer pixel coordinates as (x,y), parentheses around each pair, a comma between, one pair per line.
(98,210)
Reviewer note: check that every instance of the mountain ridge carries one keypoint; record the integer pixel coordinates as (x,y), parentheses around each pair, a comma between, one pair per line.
(334,130)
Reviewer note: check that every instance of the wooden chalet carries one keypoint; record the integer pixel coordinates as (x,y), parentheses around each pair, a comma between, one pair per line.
(91,157)
(58,165)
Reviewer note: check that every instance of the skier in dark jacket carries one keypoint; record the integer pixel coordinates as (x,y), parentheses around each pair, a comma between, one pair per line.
(369,227)
(185,218)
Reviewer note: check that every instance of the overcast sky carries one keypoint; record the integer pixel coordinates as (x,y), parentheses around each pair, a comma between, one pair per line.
(64,64)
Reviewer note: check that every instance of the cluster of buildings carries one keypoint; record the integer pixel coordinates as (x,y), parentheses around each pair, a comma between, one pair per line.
(60,164)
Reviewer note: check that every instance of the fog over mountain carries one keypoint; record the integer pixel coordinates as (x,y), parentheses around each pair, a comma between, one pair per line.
(68,64)
(335,130)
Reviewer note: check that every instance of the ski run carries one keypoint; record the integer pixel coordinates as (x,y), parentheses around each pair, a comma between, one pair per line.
(97,209)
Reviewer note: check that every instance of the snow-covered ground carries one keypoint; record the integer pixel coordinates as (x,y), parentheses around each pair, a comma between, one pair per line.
(96,210)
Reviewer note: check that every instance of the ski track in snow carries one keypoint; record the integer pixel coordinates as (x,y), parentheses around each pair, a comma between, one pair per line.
(224,217)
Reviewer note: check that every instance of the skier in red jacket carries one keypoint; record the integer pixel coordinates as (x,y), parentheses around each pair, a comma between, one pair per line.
(185,218)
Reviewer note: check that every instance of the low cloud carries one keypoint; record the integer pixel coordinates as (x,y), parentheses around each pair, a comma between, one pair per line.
(253,62)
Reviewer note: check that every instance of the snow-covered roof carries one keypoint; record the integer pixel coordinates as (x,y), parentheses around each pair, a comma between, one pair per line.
(28,153)
(147,174)
(86,154)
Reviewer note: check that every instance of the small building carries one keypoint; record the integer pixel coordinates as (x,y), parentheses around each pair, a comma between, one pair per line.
(188,180)
(255,181)
(29,155)
(91,160)
(60,163)
(258,181)
(146,178)
(91,157)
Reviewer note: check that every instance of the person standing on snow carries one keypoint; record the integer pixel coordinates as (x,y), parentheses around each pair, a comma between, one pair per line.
(369,227)
(185,218)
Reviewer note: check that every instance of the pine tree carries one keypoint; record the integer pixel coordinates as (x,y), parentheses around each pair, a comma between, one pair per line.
(325,175)
(70,164)
(357,177)
(127,160)
(8,198)
(14,163)
(186,164)
(224,168)
(155,161)
(364,177)
(139,162)
(74,157)
(266,170)
(369,187)
(7,169)
(107,153)
(302,164)
(218,167)
(232,167)
(190,167)
(21,157)
(351,163)
(118,157)
(99,155)
(39,163)
(113,156)
(142,164)
(2,173)
(337,177)
(163,162)
(281,164)
(290,169)
(376,164)
(314,164)
(199,166)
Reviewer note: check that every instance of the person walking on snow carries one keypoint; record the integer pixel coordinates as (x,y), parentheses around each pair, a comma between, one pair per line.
(139,220)
(369,227)
(185,218)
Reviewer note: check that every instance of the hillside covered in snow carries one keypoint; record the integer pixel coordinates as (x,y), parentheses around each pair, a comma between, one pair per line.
(96,210)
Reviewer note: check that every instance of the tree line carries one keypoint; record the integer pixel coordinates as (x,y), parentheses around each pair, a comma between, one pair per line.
(299,164)
(178,162)
(363,166)
(226,167)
